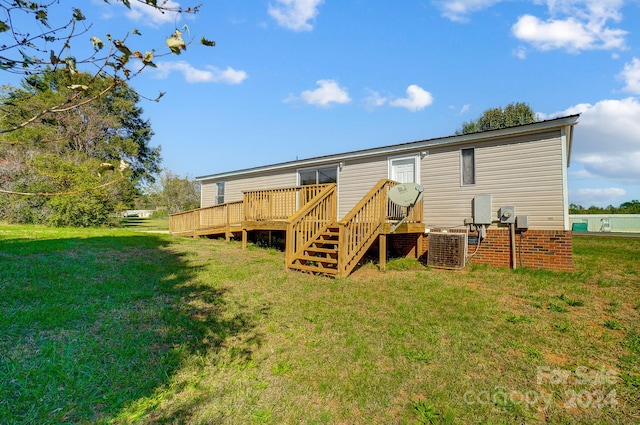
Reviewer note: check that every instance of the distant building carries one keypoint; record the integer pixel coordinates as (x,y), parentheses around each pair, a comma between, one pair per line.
(138,213)
(615,223)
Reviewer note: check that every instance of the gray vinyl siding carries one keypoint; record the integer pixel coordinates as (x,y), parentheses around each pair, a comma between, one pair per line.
(236,185)
(357,177)
(519,172)
(207,194)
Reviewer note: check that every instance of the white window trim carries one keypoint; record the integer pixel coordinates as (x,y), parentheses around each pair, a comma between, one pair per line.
(475,174)
(217,195)
(416,161)
(336,165)
(338,171)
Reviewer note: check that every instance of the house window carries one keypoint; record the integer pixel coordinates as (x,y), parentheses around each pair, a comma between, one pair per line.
(318,176)
(219,193)
(468,166)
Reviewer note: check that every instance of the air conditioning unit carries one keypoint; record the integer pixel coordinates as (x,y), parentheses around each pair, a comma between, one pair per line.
(447,250)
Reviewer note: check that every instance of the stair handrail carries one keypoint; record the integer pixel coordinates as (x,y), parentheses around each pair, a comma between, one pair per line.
(311,220)
(360,227)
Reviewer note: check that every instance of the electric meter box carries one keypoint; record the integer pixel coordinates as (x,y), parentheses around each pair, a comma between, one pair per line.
(507,215)
(482,209)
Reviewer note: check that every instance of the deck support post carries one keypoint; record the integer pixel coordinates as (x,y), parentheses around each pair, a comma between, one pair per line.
(419,244)
(244,238)
(382,248)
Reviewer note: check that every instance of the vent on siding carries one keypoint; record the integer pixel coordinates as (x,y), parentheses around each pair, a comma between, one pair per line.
(447,250)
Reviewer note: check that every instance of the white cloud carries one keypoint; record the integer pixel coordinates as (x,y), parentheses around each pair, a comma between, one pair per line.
(597,11)
(295,14)
(152,16)
(623,167)
(520,52)
(552,34)
(416,100)
(459,10)
(584,174)
(569,34)
(465,108)
(607,139)
(374,100)
(631,76)
(210,74)
(588,196)
(329,92)
(574,25)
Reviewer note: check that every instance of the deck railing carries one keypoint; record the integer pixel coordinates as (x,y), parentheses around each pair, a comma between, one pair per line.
(183,222)
(218,216)
(258,205)
(397,212)
(310,221)
(278,204)
(360,228)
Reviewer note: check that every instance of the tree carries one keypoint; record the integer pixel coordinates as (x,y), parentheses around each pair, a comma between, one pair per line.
(176,193)
(106,124)
(576,209)
(35,45)
(53,44)
(96,154)
(495,118)
(629,207)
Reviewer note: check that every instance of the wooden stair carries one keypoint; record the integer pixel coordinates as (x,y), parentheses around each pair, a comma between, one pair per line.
(320,255)
(319,244)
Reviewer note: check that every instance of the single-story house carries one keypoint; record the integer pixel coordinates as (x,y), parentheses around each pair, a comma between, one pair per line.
(505,189)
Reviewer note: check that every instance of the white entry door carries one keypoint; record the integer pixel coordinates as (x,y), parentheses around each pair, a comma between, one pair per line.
(403,170)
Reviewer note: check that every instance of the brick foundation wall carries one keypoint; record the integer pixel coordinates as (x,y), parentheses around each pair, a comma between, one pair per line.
(535,249)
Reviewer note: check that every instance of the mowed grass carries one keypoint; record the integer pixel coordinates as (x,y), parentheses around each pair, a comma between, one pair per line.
(146,224)
(115,326)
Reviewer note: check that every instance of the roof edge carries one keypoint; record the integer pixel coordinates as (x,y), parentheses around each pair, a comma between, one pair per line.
(569,120)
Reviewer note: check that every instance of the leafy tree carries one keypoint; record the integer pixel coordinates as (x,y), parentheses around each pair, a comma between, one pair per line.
(105,123)
(176,193)
(31,43)
(576,209)
(629,207)
(55,114)
(55,42)
(513,114)
(95,154)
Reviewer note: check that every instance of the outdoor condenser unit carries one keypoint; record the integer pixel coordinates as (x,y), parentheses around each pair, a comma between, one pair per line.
(447,250)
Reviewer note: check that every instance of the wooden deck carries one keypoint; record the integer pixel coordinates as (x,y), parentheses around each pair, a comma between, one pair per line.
(315,241)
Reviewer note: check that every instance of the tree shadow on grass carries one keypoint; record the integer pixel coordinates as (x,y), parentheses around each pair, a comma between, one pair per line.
(89,326)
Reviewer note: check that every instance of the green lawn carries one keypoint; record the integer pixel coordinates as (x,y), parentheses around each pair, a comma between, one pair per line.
(146,224)
(119,326)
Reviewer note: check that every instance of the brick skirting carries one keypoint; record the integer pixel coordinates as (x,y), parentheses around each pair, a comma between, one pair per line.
(535,249)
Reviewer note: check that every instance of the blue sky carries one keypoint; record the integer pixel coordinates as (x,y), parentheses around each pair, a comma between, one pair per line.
(300,78)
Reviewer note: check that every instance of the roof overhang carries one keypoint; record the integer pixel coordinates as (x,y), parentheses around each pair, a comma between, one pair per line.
(557,123)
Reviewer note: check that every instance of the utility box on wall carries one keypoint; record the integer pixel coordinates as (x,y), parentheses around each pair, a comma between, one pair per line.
(482,209)
(507,215)
(522,222)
